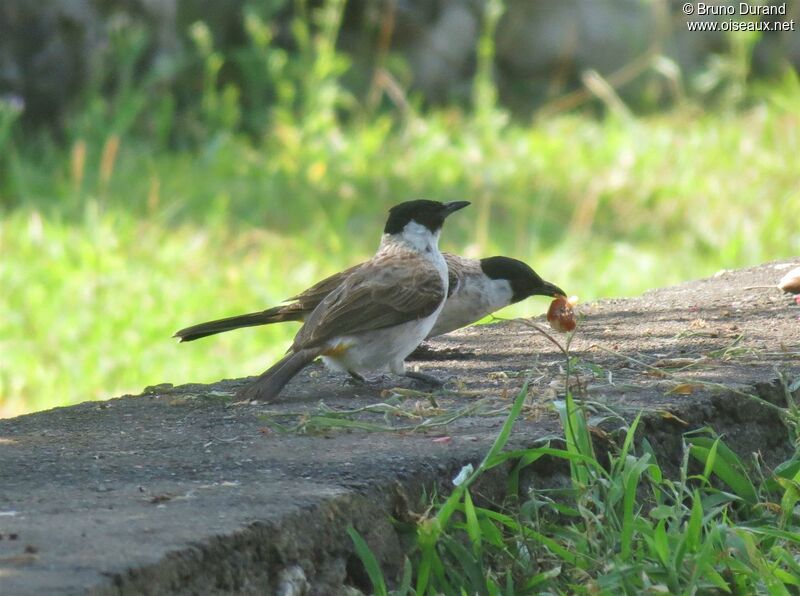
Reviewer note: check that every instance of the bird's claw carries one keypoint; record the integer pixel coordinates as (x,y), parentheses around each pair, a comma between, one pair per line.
(358,379)
(426,379)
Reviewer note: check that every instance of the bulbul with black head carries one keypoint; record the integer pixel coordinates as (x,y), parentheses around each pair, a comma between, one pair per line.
(484,286)
(376,316)
(476,288)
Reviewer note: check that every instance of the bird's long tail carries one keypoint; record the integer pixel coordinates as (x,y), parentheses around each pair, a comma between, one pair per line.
(279,314)
(274,379)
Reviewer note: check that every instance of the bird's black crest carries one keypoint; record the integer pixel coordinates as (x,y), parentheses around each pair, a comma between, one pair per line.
(524,281)
(430,214)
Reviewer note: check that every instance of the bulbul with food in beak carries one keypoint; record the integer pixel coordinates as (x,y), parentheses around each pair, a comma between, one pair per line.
(477,288)
(382,311)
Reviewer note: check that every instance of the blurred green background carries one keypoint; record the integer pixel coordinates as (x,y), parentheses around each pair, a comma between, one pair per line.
(220,178)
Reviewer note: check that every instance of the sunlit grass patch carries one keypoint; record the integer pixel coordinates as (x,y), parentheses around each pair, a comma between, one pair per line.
(88,309)
(106,253)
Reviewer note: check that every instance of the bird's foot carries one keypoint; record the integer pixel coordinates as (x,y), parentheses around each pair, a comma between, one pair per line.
(426,379)
(359,379)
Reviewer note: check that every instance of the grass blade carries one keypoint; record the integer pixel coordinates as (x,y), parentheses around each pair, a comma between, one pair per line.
(694,528)
(404,589)
(725,464)
(369,561)
(577,436)
(631,475)
(473,528)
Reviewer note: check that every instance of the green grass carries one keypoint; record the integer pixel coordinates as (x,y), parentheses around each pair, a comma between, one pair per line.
(620,525)
(102,263)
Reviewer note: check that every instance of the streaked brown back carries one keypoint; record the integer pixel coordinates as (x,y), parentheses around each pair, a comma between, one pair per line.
(385,291)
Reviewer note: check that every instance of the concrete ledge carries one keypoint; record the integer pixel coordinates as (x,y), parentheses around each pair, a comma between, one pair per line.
(180,490)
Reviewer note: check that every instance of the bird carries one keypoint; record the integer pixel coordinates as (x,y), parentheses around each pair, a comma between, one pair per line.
(476,289)
(378,314)
(483,286)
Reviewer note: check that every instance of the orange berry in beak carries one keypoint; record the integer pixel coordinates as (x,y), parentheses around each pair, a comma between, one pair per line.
(561,314)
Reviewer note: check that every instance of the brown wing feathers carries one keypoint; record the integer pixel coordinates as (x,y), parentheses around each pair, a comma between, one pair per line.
(377,295)
(303,304)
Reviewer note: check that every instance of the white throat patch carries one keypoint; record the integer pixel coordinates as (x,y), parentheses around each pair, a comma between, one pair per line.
(419,237)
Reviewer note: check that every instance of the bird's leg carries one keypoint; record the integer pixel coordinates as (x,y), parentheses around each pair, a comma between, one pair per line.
(399,368)
(356,377)
(359,379)
(425,378)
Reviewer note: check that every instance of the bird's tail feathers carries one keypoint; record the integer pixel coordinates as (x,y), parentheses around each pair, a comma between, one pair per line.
(277,314)
(274,379)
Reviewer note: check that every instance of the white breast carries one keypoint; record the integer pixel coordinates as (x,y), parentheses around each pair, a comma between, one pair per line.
(381,348)
(477,297)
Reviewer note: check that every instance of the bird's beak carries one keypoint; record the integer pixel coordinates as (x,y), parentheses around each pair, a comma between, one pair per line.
(548,289)
(454,206)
